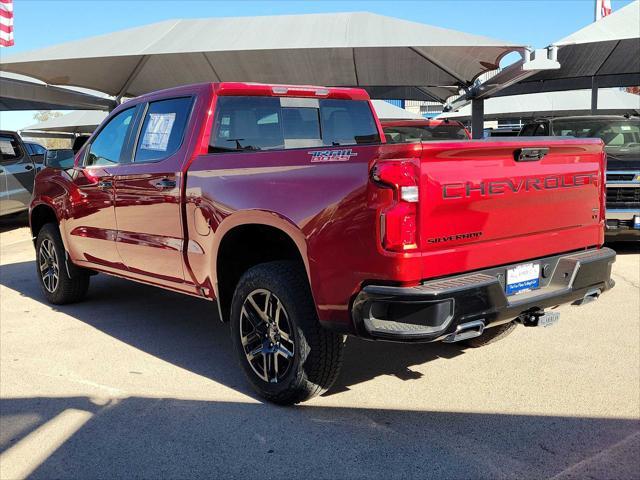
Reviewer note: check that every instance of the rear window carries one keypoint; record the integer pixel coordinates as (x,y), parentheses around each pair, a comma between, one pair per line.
(425,133)
(619,136)
(269,123)
(10,148)
(163,129)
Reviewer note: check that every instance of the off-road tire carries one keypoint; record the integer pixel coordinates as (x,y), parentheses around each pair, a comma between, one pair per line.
(491,335)
(318,352)
(68,289)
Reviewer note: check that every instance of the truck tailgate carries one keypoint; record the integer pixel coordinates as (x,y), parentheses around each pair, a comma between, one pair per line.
(486,203)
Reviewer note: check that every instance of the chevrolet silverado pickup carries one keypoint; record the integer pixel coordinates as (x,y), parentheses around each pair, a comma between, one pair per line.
(621,137)
(285,206)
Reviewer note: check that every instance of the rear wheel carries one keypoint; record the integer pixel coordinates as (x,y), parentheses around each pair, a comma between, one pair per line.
(285,353)
(57,285)
(491,335)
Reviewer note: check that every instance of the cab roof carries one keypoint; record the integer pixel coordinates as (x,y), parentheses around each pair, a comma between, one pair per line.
(261,89)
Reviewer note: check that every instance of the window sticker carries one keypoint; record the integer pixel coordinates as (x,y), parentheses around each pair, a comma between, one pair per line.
(156,136)
(7,148)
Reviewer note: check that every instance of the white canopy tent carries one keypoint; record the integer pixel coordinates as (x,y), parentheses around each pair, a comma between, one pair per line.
(78,122)
(20,93)
(342,49)
(603,54)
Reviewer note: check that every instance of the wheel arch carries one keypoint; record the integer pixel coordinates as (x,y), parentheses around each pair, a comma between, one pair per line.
(248,240)
(39,215)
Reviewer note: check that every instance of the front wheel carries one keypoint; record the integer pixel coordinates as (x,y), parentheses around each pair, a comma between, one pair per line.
(57,285)
(285,353)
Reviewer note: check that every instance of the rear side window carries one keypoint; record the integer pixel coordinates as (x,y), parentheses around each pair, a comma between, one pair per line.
(35,149)
(38,149)
(10,148)
(163,129)
(269,123)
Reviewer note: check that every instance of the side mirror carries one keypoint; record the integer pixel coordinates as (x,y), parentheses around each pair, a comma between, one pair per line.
(59,158)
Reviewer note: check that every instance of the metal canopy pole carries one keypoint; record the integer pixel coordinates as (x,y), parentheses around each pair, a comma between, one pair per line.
(594,95)
(477,118)
(532,62)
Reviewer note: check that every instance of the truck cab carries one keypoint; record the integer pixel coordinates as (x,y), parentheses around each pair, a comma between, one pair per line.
(621,137)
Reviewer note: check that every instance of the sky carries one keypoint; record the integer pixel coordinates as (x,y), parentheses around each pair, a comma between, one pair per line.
(536,23)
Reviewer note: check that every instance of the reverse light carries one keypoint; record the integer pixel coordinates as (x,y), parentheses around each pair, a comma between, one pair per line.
(409,194)
(399,219)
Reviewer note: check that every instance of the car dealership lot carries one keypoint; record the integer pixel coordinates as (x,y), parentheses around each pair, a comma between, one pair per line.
(140,382)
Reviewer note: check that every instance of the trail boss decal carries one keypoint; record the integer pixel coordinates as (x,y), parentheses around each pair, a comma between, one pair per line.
(342,155)
(490,188)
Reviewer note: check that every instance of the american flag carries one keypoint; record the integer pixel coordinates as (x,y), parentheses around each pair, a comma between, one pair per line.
(603,8)
(6,23)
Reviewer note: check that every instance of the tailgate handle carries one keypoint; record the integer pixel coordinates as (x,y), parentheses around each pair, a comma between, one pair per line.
(530,154)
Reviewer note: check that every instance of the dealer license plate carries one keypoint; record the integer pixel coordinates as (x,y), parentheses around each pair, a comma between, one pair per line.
(523,278)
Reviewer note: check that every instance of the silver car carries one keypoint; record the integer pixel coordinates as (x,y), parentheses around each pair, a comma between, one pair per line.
(17,172)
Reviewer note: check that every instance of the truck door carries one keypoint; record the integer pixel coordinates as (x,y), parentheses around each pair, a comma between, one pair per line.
(92,222)
(18,174)
(148,209)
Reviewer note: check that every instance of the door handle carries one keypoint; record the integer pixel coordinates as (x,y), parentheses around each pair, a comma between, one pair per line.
(28,167)
(165,184)
(104,185)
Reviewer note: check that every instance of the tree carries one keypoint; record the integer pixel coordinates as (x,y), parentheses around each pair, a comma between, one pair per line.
(44,115)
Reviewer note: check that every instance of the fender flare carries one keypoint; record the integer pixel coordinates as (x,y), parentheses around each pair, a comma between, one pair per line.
(263,218)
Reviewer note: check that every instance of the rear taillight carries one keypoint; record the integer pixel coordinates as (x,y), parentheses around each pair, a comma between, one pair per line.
(399,219)
(603,188)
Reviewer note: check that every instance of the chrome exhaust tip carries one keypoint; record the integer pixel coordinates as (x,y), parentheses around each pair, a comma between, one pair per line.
(589,297)
(465,331)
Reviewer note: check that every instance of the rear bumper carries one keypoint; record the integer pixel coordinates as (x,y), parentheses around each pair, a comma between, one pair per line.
(433,310)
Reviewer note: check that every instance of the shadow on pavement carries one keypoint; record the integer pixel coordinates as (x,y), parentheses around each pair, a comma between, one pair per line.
(11,222)
(625,248)
(170,438)
(186,331)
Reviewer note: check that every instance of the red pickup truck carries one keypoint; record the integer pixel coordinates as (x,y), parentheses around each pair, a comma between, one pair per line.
(285,206)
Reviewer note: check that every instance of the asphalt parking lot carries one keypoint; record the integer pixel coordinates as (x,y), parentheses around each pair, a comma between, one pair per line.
(140,382)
